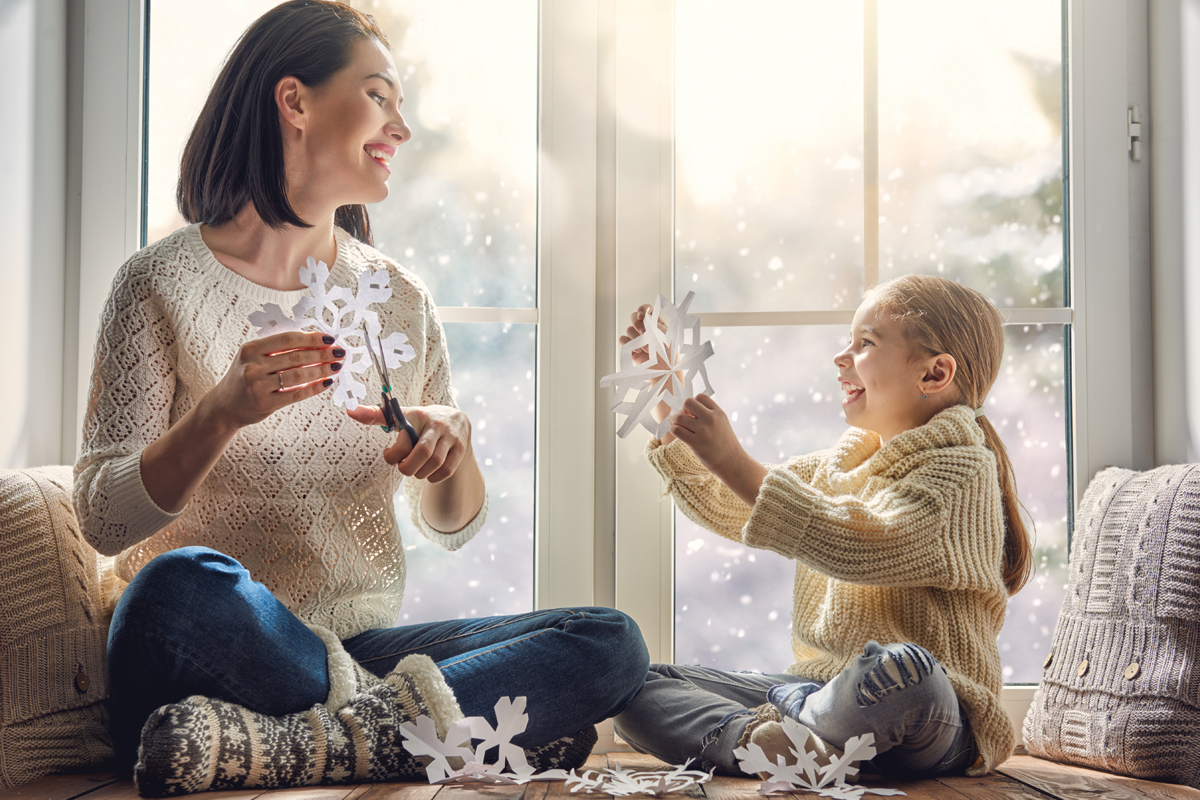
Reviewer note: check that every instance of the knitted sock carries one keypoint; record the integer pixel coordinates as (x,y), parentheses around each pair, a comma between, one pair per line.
(568,752)
(202,744)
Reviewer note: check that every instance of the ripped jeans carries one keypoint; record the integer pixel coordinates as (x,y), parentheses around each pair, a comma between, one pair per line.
(900,693)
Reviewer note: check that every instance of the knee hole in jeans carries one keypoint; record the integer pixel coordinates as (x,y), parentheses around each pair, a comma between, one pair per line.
(897,668)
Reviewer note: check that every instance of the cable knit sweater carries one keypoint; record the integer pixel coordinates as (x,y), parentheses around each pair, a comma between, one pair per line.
(303,499)
(897,543)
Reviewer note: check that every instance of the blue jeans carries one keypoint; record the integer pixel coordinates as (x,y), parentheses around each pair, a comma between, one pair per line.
(193,621)
(900,693)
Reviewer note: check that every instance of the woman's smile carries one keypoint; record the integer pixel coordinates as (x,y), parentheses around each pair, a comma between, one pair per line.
(382,154)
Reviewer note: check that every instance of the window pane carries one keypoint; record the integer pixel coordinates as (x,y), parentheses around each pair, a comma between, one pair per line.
(462,207)
(970,145)
(733,604)
(492,366)
(188,44)
(1027,407)
(768,182)
(461,214)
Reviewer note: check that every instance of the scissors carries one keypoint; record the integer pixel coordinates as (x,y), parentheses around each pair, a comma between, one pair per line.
(391,409)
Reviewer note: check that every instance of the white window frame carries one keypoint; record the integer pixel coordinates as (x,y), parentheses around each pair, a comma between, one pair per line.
(605,245)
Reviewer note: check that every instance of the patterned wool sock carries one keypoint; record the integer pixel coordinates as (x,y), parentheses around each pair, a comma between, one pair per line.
(202,744)
(569,752)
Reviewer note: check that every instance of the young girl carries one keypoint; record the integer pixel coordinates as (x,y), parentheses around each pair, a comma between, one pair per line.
(907,540)
(254,645)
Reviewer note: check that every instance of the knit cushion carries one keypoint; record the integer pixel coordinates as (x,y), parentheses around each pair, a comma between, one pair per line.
(1121,687)
(53,630)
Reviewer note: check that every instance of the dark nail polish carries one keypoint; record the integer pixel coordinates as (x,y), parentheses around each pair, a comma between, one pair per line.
(335,366)
(338,352)
(327,339)
(327,383)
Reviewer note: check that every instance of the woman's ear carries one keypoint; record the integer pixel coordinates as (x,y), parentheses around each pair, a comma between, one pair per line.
(290,100)
(939,373)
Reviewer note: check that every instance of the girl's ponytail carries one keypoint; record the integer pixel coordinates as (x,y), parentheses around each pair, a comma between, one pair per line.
(942,316)
(1018,549)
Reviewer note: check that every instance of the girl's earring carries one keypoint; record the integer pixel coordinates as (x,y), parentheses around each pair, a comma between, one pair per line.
(924,396)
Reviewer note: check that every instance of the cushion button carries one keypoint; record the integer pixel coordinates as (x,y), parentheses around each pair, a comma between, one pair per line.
(1132,671)
(1082,669)
(81,682)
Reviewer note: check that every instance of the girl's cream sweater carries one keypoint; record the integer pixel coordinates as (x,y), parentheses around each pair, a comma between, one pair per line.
(897,543)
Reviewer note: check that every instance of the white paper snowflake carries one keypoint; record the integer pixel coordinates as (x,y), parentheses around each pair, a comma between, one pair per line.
(343,315)
(805,775)
(676,356)
(622,782)
(421,739)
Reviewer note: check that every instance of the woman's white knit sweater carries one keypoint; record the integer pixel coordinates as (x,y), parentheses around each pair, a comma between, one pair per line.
(897,543)
(303,499)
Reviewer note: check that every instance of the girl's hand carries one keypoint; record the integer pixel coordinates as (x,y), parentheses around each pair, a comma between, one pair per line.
(703,426)
(275,371)
(443,440)
(637,326)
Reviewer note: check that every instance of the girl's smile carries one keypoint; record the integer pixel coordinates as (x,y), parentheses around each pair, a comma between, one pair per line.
(887,388)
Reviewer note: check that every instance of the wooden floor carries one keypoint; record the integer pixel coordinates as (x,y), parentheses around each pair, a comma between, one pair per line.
(1020,778)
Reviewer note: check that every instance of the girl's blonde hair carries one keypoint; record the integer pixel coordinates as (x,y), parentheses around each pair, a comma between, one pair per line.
(941,316)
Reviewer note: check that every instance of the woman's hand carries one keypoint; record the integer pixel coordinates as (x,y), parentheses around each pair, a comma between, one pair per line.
(703,426)
(443,440)
(275,371)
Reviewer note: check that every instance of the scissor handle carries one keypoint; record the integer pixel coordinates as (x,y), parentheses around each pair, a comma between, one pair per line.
(402,422)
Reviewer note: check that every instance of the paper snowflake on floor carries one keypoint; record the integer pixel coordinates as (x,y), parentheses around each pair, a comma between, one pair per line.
(676,356)
(421,739)
(622,782)
(806,774)
(343,315)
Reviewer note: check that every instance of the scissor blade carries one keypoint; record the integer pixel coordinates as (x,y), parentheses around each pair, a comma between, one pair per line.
(375,361)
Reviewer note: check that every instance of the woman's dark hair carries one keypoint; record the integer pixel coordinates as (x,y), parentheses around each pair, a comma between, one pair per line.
(235,152)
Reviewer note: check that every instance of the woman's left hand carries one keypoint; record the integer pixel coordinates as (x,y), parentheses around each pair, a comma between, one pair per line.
(443,440)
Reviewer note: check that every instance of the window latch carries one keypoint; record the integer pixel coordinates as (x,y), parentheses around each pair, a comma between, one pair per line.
(1134,120)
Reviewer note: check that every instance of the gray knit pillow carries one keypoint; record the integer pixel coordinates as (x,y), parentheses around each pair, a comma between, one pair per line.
(1121,687)
(53,630)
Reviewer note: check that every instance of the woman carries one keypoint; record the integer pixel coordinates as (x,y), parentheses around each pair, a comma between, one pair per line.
(254,520)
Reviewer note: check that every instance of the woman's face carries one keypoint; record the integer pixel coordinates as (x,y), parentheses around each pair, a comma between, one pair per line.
(353,132)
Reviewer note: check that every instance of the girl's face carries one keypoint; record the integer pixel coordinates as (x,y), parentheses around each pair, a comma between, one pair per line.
(353,131)
(881,381)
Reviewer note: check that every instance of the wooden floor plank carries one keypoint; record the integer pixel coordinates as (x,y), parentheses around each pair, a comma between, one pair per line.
(59,787)
(1068,782)
(399,791)
(992,786)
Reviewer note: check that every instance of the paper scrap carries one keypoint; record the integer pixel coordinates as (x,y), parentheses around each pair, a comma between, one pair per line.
(327,311)
(623,782)
(677,356)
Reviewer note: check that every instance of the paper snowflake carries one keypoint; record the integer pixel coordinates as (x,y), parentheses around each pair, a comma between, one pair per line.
(676,356)
(622,782)
(343,315)
(806,774)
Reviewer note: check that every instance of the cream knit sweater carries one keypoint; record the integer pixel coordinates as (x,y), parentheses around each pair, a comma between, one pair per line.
(302,499)
(899,543)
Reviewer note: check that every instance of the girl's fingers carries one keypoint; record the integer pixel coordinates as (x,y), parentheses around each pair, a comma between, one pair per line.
(707,402)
